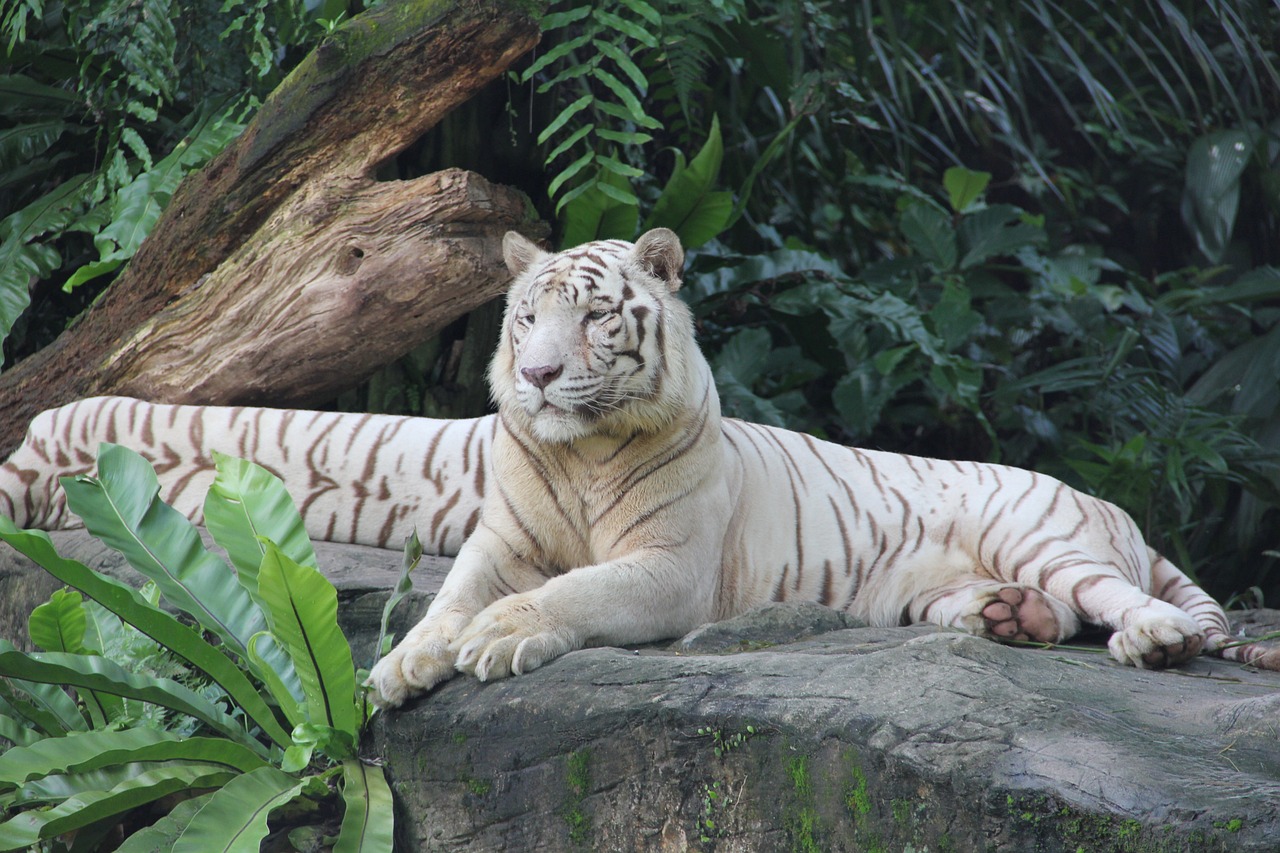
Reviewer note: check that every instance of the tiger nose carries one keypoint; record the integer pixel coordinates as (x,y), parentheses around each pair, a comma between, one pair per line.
(541,376)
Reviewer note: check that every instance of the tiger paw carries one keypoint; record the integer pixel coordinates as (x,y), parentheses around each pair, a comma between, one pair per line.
(420,662)
(1157,641)
(1019,613)
(512,636)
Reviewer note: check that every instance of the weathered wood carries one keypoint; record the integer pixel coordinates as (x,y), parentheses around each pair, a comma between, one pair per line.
(284,271)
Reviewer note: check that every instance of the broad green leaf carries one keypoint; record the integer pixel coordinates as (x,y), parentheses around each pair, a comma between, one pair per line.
(964,186)
(128,604)
(121,506)
(21,259)
(41,700)
(58,787)
(1211,196)
(953,317)
(18,91)
(25,142)
(18,701)
(87,751)
(302,609)
(136,207)
(929,232)
(689,205)
(290,697)
(996,231)
(97,673)
(246,504)
(58,625)
(593,215)
(30,827)
(769,267)
(90,271)
(368,822)
(160,836)
(19,732)
(234,820)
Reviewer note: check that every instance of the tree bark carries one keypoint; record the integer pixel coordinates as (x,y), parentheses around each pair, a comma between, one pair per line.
(285,271)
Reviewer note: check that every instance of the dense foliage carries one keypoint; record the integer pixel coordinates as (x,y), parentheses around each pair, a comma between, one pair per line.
(1034,232)
(1042,234)
(132,730)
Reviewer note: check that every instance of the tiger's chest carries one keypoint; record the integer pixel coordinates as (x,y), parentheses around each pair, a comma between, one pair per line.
(589,502)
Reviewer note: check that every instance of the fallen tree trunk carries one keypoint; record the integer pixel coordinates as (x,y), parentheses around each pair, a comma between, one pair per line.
(285,271)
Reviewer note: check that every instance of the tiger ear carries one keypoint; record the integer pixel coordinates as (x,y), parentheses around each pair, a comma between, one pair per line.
(519,252)
(661,252)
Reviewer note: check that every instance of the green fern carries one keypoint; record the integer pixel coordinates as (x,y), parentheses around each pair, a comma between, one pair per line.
(599,72)
(145,91)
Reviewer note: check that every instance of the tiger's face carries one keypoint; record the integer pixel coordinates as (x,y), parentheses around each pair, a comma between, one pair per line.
(584,339)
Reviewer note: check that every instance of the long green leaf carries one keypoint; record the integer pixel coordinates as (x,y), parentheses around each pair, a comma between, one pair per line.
(234,820)
(688,204)
(126,603)
(16,703)
(246,504)
(45,704)
(58,787)
(21,259)
(96,673)
(164,833)
(368,823)
(31,827)
(121,506)
(302,607)
(92,750)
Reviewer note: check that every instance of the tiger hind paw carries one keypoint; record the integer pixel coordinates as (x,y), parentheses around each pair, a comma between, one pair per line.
(1011,613)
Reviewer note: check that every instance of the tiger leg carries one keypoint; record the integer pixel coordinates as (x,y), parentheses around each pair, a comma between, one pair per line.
(996,610)
(1171,585)
(1149,633)
(485,571)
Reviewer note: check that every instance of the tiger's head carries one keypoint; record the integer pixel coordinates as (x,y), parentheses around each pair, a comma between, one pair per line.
(594,341)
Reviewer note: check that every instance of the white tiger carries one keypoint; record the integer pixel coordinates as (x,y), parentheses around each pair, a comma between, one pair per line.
(608,503)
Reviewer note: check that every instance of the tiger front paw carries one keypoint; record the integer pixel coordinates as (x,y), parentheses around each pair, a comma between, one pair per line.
(1157,641)
(510,637)
(421,661)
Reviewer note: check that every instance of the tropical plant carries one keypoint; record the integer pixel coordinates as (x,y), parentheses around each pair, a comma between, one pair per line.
(104,107)
(185,733)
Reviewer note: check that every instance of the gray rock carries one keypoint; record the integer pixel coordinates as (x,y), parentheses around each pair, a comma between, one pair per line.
(894,739)
(787,730)
(766,626)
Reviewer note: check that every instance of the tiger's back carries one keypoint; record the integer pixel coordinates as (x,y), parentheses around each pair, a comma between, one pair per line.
(365,479)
